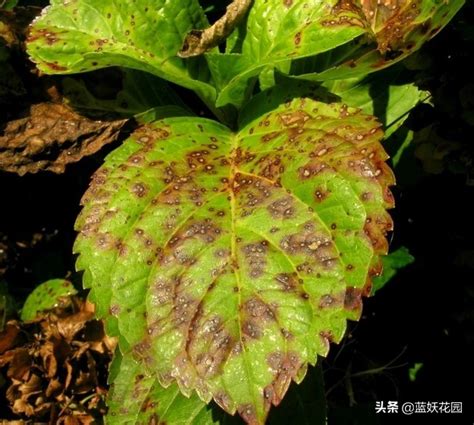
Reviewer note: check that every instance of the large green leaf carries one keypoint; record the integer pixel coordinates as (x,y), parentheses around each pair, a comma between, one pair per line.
(228,261)
(82,35)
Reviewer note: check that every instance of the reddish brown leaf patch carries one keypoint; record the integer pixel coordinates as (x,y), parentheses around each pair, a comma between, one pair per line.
(57,371)
(52,136)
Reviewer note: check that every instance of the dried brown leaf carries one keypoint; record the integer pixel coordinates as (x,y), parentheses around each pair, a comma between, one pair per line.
(54,388)
(19,362)
(69,326)
(76,420)
(198,42)
(82,348)
(50,364)
(56,371)
(20,393)
(52,136)
(69,375)
(9,337)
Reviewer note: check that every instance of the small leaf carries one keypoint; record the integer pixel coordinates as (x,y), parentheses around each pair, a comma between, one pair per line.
(413,371)
(228,261)
(392,263)
(46,296)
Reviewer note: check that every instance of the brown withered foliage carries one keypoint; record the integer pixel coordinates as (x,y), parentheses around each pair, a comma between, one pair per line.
(198,42)
(52,136)
(54,369)
(37,130)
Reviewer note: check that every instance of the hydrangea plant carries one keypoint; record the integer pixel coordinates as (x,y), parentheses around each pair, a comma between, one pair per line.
(226,253)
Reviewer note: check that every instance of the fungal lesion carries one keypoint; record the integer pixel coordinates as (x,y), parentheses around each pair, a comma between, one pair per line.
(390,20)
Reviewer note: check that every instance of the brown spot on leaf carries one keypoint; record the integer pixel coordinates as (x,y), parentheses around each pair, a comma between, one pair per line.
(252,329)
(50,37)
(288,281)
(282,208)
(376,229)
(326,301)
(209,364)
(312,169)
(139,189)
(353,299)
(256,258)
(155,420)
(297,118)
(298,38)
(326,338)
(321,194)
(270,136)
(223,400)
(147,405)
(284,367)
(259,310)
(142,349)
(391,21)
(248,414)
(270,167)
(149,135)
(184,309)
(315,246)
(55,66)
(114,310)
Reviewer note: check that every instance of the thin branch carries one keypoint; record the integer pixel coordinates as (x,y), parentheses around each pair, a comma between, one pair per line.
(198,42)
